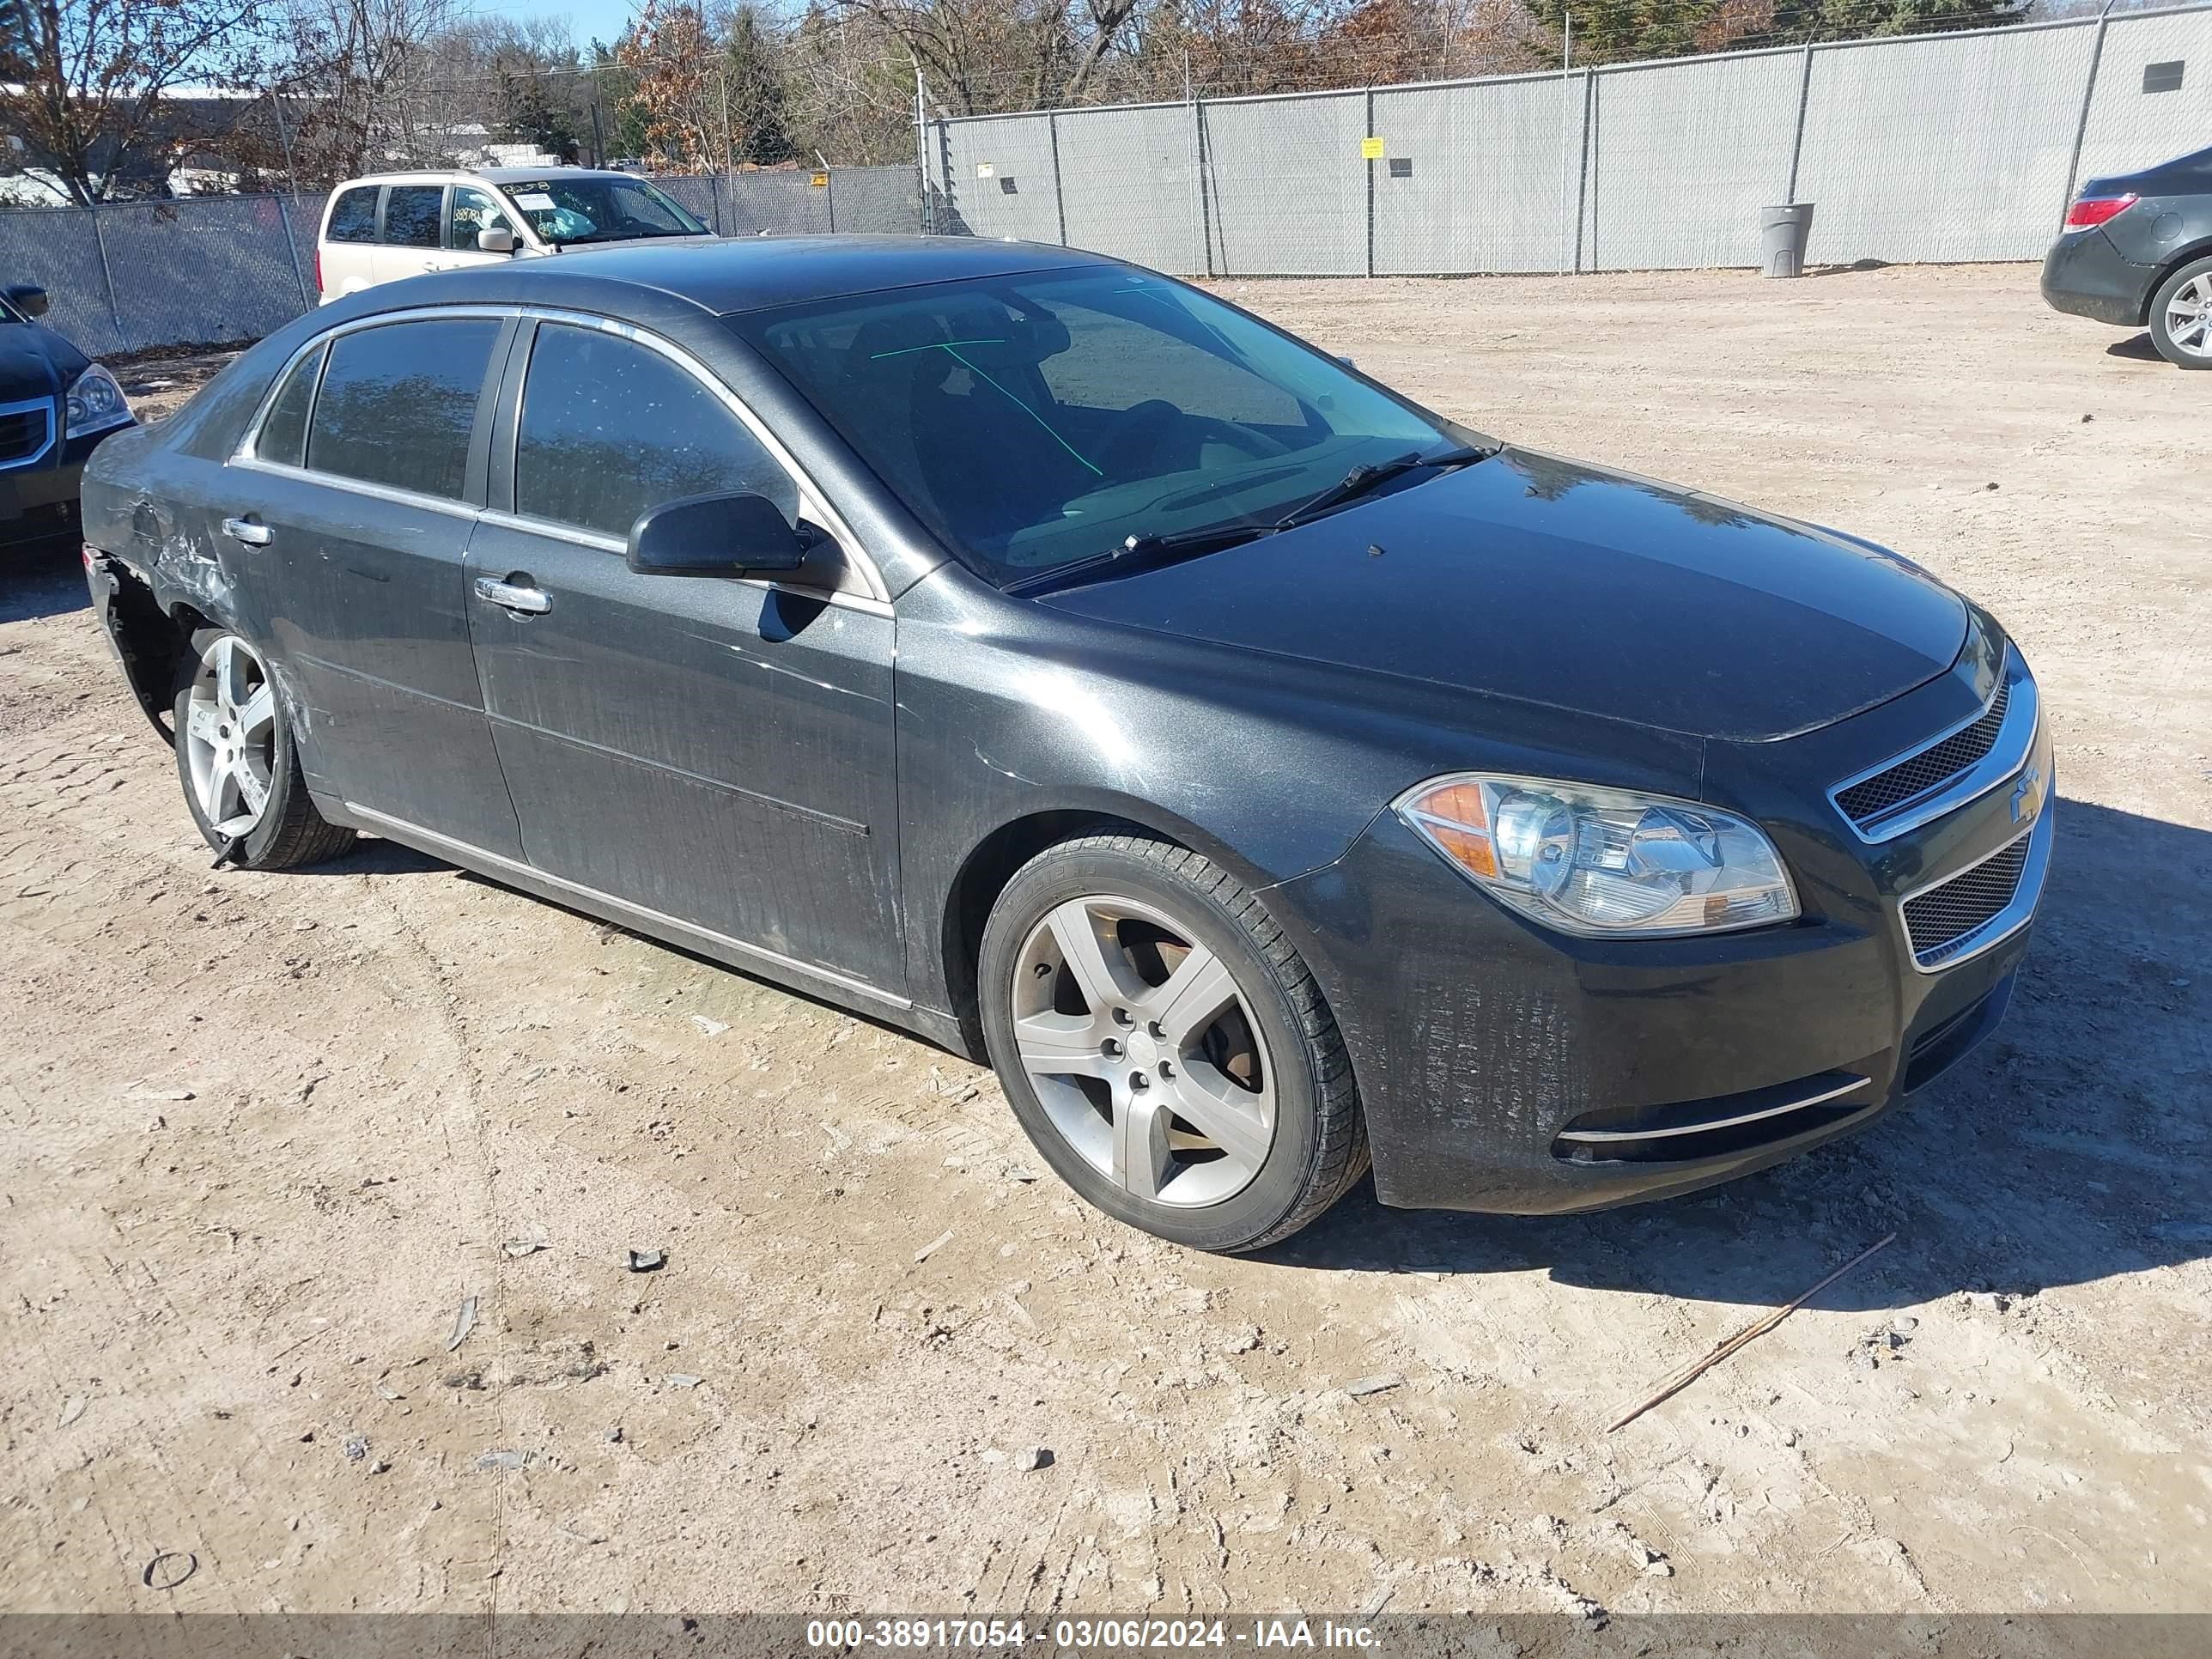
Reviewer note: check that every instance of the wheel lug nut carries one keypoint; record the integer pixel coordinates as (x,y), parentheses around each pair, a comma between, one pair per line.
(1123,1017)
(1140,1082)
(1109,1047)
(1156,1028)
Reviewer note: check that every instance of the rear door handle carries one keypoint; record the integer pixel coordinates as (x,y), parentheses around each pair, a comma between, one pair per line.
(529,601)
(245,530)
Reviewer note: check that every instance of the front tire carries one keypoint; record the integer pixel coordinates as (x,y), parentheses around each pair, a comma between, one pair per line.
(237,763)
(2181,316)
(1164,1047)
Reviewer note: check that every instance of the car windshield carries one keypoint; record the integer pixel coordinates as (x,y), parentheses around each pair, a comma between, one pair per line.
(573,210)
(1035,422)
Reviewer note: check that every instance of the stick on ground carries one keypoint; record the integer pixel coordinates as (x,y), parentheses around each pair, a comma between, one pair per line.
(1682,1379)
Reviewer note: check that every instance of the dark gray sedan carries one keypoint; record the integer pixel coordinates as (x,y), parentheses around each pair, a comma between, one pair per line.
(1041,655)
(2137,252)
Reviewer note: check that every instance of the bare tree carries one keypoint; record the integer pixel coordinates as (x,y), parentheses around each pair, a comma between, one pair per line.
(370,83)
(88,77)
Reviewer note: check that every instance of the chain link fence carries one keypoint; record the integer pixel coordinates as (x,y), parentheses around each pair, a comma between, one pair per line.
(1954,147)
(205,270)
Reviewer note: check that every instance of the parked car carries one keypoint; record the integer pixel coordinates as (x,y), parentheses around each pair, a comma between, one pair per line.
(1032,651)
(2137,252)
(56,403)
(380,229)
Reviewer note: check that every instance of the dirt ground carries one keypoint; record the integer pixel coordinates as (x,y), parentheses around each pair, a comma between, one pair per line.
(261,1137)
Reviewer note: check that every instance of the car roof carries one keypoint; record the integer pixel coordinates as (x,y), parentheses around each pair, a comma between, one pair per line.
(497,175)
(724,275)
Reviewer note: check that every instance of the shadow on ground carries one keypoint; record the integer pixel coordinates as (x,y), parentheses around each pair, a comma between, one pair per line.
(2070,1148)
(41,579)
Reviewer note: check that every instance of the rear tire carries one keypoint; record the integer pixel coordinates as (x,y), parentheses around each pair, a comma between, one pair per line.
(2181,316)
(237,763)
(1164,1047)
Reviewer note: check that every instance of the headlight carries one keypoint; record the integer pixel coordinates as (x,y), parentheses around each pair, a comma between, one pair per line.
(96,402)
(1603,861)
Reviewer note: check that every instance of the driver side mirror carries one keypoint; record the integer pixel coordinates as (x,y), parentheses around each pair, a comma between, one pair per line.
(732,535)
(29,298)
(498,239)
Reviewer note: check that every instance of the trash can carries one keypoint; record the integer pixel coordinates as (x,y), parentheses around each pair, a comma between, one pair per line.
(1782,233)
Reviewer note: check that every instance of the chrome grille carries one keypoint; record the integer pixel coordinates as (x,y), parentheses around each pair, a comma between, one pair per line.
(1930,769)
(1943,920)
(24,432)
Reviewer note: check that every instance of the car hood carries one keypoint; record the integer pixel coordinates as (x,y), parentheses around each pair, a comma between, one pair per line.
(32,361)
(1553,582)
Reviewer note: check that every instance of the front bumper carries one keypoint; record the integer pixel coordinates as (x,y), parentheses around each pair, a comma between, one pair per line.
(1506,1067)
(2084,274)
(39,503)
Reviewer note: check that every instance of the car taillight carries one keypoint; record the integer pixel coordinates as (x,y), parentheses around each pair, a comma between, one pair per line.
(319,270)
(2093,210)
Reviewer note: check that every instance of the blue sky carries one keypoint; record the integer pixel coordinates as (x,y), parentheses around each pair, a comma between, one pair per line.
(587,19)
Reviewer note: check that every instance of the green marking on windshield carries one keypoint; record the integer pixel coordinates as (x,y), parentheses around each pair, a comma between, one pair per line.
(1014,401)
(934,345)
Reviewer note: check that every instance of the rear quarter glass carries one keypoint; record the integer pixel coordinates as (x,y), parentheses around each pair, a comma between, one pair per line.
(352,216)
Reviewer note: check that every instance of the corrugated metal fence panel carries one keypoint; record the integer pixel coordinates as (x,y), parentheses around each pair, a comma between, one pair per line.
(1945,149)
(1490,164)
(58,249)
(1001,178)
(1683,155)
(1129,183)
(212,268)
(1286,188)
(2129,128)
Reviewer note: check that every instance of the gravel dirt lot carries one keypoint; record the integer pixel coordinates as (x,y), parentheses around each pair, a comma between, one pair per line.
(261,1136)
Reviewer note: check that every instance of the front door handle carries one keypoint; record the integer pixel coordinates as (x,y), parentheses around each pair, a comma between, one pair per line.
(245,530)
(528,601)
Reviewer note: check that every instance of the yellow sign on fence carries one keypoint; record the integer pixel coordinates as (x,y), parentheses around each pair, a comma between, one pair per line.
(821,181)
(1371,148)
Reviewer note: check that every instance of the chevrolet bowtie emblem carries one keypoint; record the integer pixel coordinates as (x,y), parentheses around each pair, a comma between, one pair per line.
(2028,795)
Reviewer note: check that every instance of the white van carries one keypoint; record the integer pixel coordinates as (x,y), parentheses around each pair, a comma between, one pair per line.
(392,225)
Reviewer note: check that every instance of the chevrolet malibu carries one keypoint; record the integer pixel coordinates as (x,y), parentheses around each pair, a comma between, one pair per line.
(1264,773)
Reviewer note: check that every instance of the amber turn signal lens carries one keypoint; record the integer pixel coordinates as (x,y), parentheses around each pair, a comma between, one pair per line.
(1457,821)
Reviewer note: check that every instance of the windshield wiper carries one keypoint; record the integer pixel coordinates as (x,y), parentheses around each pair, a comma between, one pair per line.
(1361,479)
(1145,552)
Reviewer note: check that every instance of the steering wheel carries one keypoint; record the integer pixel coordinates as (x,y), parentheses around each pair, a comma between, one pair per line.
(1148,428)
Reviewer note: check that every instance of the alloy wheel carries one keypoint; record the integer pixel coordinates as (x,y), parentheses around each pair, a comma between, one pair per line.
(1143,1051)
(2189,316)
(230,737)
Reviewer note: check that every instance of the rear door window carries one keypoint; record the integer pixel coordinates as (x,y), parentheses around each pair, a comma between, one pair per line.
(411,215)
(611,428)
(354,217)
(284,430)
(398,402)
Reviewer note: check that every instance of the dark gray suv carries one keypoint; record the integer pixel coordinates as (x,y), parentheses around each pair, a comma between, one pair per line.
(2137,252)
